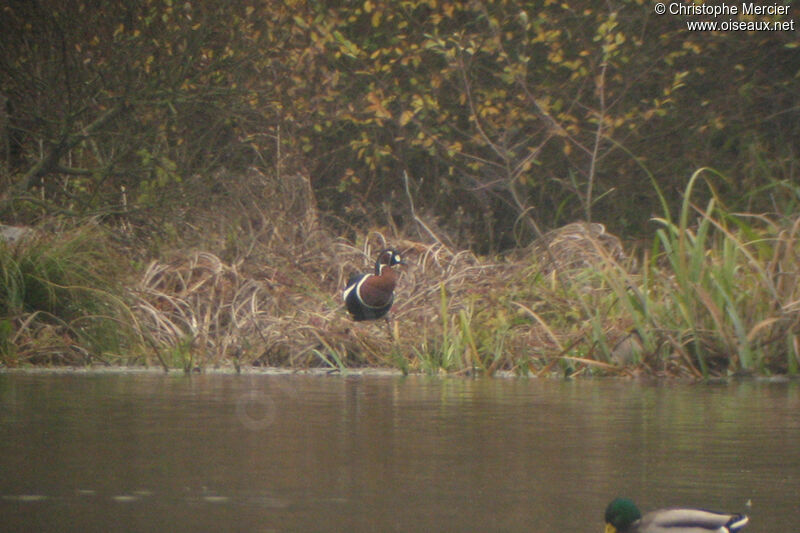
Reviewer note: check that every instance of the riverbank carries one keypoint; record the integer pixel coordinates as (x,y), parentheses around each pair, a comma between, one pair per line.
(714,294)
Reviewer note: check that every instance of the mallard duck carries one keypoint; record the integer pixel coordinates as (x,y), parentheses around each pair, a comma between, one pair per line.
(622,516)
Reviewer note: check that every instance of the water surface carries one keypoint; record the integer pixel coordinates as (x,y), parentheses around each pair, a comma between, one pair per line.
(153,452)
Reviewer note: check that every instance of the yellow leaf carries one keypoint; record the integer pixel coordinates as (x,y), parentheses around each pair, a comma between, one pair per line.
(406,117)
(376,106)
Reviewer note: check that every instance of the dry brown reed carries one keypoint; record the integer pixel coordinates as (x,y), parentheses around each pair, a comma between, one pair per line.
(258,277)
(279,304)
(573,302)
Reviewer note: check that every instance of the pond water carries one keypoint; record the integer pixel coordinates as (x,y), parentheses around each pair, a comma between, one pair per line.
(144,451)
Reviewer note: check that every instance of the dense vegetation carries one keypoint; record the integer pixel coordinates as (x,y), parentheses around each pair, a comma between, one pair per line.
(202,177)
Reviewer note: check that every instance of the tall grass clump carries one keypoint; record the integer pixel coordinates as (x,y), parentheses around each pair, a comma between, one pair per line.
(717,292)
(455,348)
(61,300)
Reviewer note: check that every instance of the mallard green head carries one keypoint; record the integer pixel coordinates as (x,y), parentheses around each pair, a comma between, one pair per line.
(621,513)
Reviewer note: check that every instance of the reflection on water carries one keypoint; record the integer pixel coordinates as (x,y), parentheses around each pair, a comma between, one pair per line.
(150,452)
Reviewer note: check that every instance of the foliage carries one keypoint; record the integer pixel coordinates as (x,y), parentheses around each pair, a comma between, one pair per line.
(293,138)
(506,115)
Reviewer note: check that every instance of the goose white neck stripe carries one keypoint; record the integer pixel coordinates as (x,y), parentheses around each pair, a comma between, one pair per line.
(357,288)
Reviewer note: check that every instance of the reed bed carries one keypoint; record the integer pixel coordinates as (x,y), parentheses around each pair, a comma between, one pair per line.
(699,303)
(715,294)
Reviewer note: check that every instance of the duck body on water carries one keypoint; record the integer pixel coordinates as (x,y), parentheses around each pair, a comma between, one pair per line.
(622,516)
